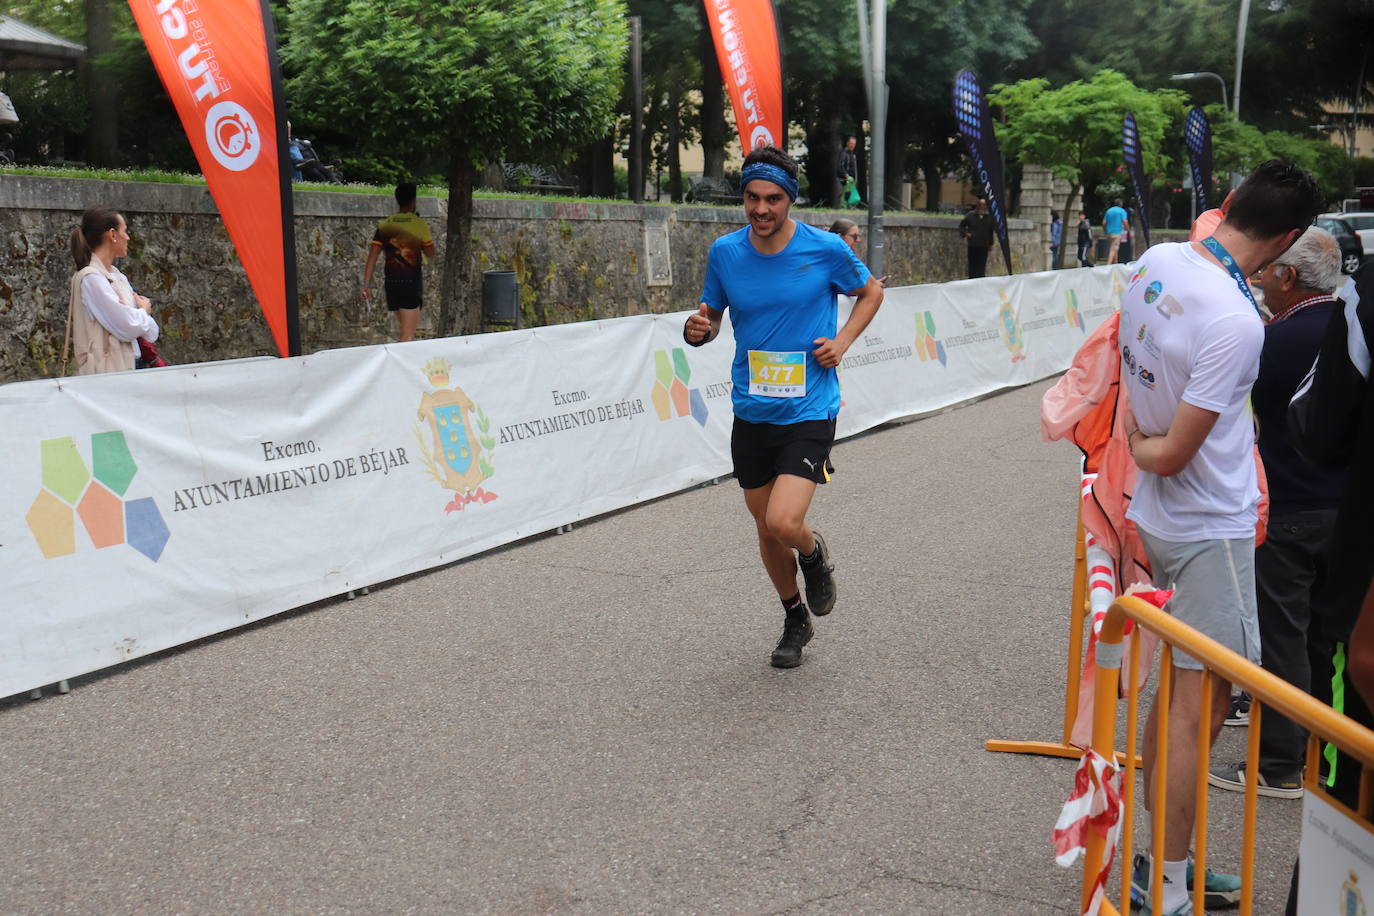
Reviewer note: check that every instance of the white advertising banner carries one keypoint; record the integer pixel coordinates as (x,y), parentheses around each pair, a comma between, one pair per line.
(149,509)
(1337,853)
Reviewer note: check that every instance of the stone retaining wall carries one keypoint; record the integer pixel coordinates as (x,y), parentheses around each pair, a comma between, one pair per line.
(574,261)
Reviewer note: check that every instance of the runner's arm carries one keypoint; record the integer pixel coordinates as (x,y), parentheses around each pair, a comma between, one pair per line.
(1170,453)
(703,326)
(867,298)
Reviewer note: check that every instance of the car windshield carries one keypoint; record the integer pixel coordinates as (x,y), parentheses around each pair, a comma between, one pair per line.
(1360,220)
(1335,227)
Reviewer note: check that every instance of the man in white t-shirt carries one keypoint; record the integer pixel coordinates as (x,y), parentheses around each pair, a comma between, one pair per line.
(1191,335)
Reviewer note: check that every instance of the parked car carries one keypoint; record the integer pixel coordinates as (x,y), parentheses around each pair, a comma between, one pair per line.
(1352,249)
(1362,222)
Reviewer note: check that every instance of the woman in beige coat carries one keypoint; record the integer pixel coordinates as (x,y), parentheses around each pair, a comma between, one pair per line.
(105,316)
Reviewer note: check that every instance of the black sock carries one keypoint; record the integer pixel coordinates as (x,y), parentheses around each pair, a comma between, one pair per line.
(794,606)
(812,558)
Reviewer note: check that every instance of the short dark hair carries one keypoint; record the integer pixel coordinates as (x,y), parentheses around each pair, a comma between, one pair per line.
(1274,199)
(405,193)
(774,156)
(842,226)
(1117,202)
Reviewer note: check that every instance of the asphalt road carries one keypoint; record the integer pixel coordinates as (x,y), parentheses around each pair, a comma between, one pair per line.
(587,723)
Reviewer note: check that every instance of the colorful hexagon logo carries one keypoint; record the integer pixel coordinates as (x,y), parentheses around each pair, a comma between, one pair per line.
(671,397)
(71,491)
(929,348)
(1072,313)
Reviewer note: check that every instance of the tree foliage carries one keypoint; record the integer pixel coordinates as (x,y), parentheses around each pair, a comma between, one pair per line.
(1075,130)
(468,81)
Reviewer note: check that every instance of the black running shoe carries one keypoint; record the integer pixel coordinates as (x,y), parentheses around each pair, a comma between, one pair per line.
(820,580)
(797,632)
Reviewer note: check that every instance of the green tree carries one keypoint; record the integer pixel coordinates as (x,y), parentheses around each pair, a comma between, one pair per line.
(473,81)
(1075,130)
(1238,147)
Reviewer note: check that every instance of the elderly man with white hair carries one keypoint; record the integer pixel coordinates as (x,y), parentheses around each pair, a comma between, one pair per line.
(1290,567)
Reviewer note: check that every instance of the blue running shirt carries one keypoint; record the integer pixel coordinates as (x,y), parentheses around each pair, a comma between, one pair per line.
(779,304)
(1114,220)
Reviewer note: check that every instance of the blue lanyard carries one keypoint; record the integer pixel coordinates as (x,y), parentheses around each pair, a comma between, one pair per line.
(1224,256)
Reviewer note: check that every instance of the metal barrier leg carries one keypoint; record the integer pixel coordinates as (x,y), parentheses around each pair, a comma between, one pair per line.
(1078,611)
(1204,754)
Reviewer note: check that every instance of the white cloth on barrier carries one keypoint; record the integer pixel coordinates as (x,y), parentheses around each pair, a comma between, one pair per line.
(149,509)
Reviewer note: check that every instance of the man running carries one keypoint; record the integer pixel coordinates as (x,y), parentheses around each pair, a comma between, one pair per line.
(778,278)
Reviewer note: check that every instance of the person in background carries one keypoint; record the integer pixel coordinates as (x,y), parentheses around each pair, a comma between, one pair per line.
(848,173)
(1056,239)
(1291,565)
(105,317)
(1115,224)
(1190,351)
(1331,422)
(293,148)
(849,230)
(404,238)
(976,229)
(1085,241)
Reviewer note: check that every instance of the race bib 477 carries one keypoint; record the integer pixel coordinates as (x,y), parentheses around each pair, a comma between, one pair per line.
(777,375)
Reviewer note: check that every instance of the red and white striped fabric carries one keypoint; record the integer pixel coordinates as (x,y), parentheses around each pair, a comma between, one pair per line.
(1094,807)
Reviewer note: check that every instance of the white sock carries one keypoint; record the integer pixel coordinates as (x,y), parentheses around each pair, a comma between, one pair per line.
(1175,886)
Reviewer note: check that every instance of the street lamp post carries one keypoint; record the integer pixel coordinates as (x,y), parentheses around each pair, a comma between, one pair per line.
(1205,74)
(1240,52)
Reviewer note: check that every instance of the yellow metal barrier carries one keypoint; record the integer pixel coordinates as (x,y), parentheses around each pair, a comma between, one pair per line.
(1078,612)
(1266,690)
(1078,615)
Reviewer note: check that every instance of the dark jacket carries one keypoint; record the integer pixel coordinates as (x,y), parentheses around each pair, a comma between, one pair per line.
(1331,423)
(849,165)
(1291,345)
(977,228)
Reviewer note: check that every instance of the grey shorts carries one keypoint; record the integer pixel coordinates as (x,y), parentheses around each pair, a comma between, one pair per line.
(1214,591)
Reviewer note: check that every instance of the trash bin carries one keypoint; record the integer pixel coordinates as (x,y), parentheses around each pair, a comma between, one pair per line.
(500,297)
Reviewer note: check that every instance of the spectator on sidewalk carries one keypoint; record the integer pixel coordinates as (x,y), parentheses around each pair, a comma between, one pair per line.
(1115,224)
(1290,566)
(1190,350)
(1331,421)
(976,229)
(105,317)
(1056,239)
(848,173)
(1085,241)
(405,240)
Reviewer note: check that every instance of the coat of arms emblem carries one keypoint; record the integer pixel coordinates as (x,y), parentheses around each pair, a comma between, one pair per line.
(455,439)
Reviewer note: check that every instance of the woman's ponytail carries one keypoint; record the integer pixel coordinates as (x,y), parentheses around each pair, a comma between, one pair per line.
(95,222)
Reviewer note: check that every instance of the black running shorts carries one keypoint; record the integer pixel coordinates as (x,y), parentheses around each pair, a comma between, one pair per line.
(403,295)
(762,451)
